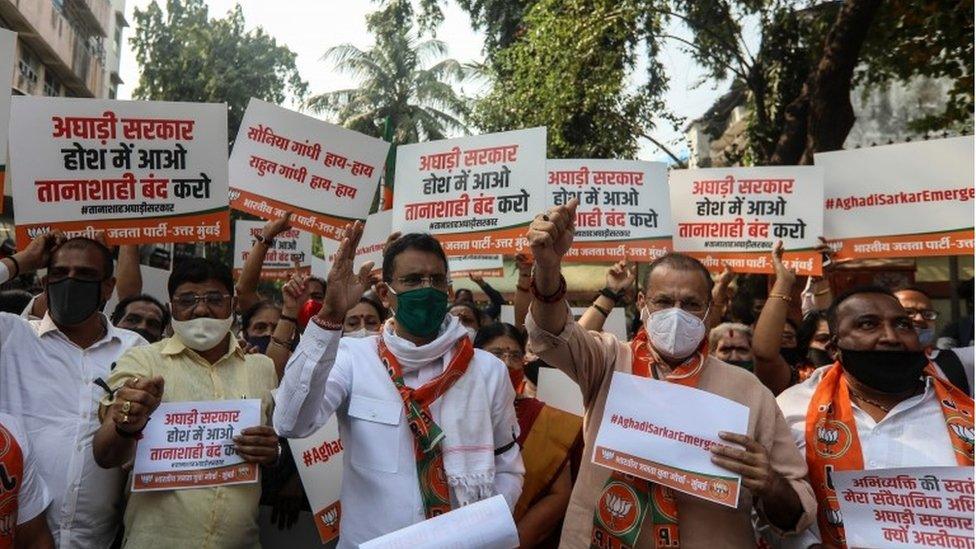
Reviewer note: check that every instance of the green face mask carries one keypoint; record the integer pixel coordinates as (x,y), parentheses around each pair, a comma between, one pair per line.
(421,312)
(746,364)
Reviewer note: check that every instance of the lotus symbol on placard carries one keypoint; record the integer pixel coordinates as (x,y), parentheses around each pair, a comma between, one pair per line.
(608,454)
(242,470)
(963,432)
(330,517)
(617,506)
(834,518)
(233,195)
(35,232)
(147,479)
(827,436)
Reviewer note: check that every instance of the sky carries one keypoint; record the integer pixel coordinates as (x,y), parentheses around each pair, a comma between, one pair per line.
(310,27)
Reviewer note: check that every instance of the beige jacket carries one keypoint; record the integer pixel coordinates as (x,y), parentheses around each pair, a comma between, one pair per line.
(590,358)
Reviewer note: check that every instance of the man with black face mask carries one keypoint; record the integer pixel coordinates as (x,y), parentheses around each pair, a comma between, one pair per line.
(881,405)
(51,378)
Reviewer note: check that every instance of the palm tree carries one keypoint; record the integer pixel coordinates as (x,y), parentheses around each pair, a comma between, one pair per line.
(397,83)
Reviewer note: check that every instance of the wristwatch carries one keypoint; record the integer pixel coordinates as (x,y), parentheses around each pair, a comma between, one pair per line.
(616,297)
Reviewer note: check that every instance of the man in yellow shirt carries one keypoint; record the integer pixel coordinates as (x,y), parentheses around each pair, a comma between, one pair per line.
(201,362)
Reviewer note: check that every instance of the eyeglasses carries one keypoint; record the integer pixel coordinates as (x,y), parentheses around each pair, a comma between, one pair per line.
(411,281)
(211,299)
(927,314)
(504,356)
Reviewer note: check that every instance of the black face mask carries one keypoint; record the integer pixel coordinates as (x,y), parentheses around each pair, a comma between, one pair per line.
(791,356)
(819,357)
(532,370)
(261,342)
(744,364)
(71,301)
(886,371)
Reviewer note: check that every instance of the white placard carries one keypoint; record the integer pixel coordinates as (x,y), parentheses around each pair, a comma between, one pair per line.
(289,246)
(615,324)
(8,48)
(190,445)
(487,524)
(481,265)
(376,232)
(143,171)
(907,507)
(737,214)
(287,161)
(318,459)
(558,390)
(477,194)
(662,432)
(623,212)
(879,201)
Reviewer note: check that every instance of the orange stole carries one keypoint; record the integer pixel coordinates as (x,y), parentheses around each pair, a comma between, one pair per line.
(545,452)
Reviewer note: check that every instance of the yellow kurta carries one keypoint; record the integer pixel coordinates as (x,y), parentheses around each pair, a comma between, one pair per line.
(221,517)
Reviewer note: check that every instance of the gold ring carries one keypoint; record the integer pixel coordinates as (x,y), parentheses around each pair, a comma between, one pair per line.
(126,406)
(125,418)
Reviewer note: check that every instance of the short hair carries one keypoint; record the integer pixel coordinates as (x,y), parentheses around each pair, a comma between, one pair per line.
(456,292)
(318,279)
(719,332)
(470,306)
(498,329)
(84,243)
(119,312)
(913,288)
(421,242)
(849,293)
(198,270)
(248,315)
(14,301)
(679,262)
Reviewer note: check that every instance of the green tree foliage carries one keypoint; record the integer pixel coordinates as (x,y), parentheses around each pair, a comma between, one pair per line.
(402,78)
(570,70)
(184,55)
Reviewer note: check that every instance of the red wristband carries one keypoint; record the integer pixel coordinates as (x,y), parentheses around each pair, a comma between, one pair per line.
(554,298)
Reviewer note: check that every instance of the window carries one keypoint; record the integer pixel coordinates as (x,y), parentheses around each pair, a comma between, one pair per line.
(117,39)
(113,91)
(27,67)
(52,87)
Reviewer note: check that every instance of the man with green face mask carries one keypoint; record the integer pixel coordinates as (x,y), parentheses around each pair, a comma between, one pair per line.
(428,422)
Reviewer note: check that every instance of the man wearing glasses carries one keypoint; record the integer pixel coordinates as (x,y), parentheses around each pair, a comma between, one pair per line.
(203,361)
(957,363)
(671,346)
(51,371)
(427,421)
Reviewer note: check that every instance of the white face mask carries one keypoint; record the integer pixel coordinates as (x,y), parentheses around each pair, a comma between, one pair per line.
(360,333)
(471,332)
(674,333)
(202,334)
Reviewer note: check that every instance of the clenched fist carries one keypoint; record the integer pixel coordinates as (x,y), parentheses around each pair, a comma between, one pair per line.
(135,401)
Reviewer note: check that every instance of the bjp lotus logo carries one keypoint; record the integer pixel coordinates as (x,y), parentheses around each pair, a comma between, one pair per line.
(833,516)
(618,508)
(607,454)
(233,194)
(833,438)
(331,517)
(34,232)
(146,479)
(720,488)
(964,432)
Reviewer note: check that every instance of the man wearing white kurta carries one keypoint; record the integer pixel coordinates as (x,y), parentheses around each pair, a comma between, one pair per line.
(476,457)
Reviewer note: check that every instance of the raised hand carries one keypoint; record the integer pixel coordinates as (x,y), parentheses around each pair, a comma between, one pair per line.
(721,292)
(785,277)
(38,252)
(551,235)
(344,287)
(135,401)
(477,279)
(524,264)
(294,294)
(621,276)
(275,227)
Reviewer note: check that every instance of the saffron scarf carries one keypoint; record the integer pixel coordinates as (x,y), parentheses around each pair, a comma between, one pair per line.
(625,499)
(427,435)
(832,443)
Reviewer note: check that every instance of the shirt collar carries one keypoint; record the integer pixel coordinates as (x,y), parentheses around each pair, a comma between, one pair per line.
(47,326)
(174,346)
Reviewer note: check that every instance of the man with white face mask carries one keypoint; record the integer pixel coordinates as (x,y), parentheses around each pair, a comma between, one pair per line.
(672,347)
(958,363)
(203,361)
(428,421)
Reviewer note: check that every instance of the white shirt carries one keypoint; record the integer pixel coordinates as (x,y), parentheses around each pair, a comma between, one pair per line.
(32,495)
(48,383)
(913,434)
(380,491)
